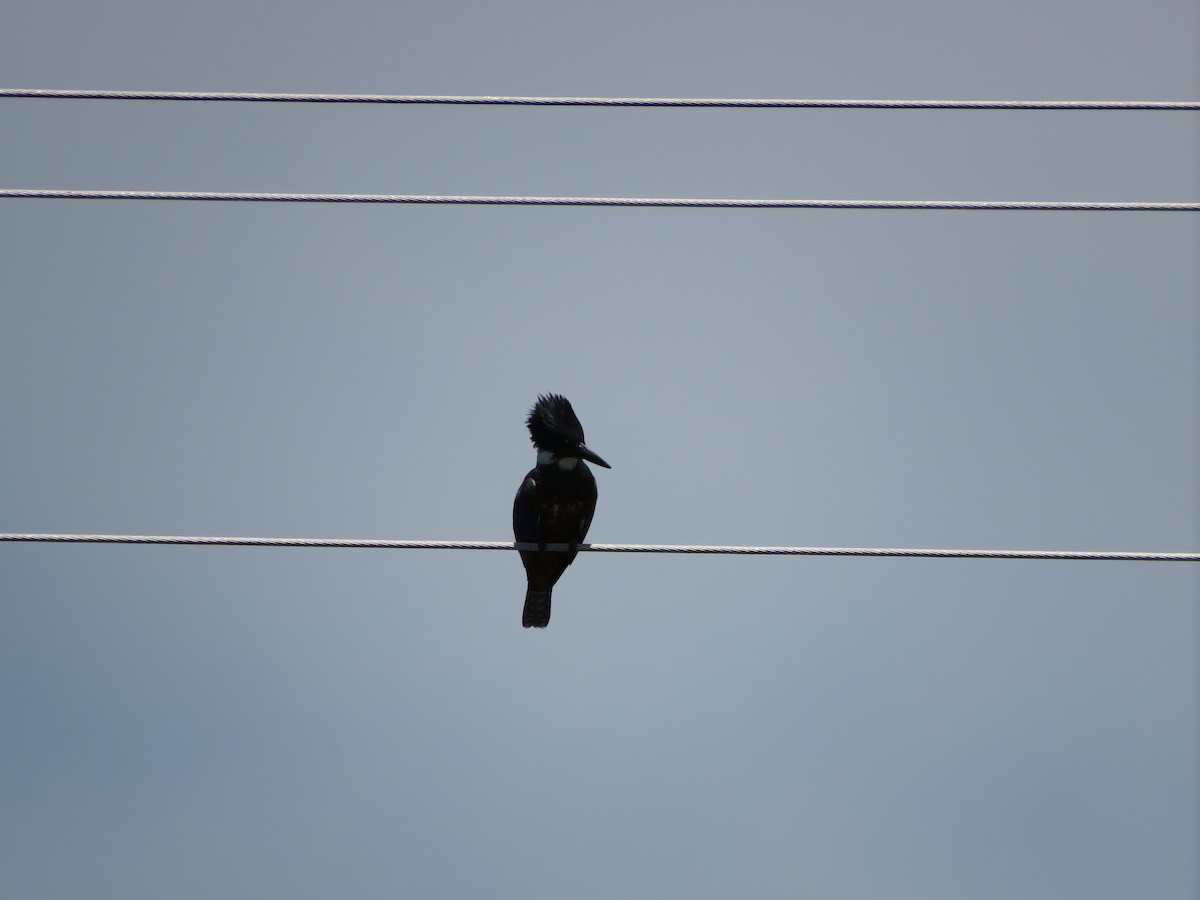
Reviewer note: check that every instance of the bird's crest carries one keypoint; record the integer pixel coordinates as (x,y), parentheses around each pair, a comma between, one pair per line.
(552,420)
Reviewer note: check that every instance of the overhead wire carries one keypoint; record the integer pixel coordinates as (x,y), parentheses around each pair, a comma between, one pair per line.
(214,196)
(270,197)
(687,202)
(694,549)
(709,102)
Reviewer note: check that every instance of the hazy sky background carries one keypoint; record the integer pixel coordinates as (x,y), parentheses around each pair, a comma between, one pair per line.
(268,723)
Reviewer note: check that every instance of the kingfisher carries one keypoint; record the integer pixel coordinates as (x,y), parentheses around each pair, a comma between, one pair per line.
(555,503)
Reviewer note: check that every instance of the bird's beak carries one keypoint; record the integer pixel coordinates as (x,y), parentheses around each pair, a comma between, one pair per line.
(585,453)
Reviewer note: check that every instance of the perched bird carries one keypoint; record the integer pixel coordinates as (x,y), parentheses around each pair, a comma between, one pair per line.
(555,502)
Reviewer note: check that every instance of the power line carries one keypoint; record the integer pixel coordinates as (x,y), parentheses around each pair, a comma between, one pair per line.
(242,97)
(434,199)
(345,543)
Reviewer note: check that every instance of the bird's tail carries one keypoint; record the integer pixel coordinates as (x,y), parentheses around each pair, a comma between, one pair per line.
(537,609)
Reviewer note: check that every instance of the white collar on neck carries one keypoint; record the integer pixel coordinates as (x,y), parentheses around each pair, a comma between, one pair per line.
(546,458)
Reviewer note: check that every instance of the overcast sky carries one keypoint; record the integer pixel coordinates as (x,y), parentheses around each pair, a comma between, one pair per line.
(268,723)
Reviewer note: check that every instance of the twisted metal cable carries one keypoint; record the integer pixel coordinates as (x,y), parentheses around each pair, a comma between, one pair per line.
(1128,556)
(217,196)
(239,96)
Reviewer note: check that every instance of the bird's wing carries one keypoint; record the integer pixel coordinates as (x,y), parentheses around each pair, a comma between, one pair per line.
(586,523)
(525,510)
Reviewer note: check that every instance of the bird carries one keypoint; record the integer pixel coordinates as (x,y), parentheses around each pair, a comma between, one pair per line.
(555,502)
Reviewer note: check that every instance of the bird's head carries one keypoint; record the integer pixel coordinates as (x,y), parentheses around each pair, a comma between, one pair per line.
(555,431)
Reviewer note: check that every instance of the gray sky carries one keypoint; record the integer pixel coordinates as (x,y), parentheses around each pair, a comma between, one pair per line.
(204,722)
